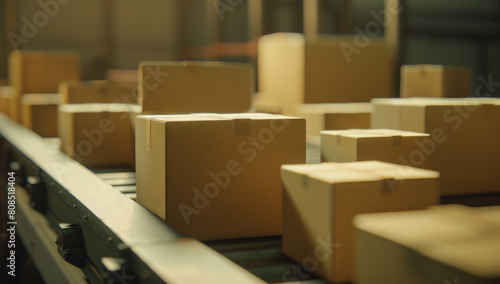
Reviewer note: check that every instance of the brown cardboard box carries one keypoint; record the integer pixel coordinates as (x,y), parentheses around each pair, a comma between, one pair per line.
(122,75)
(6,96)
(216,176)
(435,81)
(465,137)
(40,72)
(444,244)
(97,135)
(185,87)
(386,145)
(98,92)
(329,69)
(320,200)
(40,113)
(335,116)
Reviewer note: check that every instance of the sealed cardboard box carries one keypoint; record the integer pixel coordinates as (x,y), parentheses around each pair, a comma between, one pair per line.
(186,87)
(444,244)
(6,95)
(40,113)
(216,176)
(335,116)
(465,137)
(329,69)
(435,81)
(98,92)
(97,135)
(386,145)
(320,200)
(40,72)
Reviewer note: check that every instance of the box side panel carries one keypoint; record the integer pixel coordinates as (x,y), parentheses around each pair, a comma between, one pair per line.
(281,69)
(151,166)
(355,198)
(335,148)
(307,219)
(185,89)
(332,75)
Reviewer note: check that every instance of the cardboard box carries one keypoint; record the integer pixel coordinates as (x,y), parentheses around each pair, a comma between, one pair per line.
(40,113)
(97,135)
(40,72)
(122,75)
(186,87)
(320,200)
(98,92)
(435,81)
(328,69)
(335,116)
(216,176)
(386,145)
(444,244)
(465,137)
(6,96)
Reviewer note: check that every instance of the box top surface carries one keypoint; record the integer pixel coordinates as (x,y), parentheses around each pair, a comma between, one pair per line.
(423,102)
(373,133)
(463,237)
(333,173)
(433,68)
(195,64)
(212,117)
(52,53)
(41,99)
(300,39)
(98,84)
(98,107)
(336,108)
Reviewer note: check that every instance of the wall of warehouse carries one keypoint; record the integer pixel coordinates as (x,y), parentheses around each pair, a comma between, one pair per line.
(119,34)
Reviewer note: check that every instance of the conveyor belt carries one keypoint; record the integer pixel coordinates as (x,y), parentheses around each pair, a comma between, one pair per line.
(121,237)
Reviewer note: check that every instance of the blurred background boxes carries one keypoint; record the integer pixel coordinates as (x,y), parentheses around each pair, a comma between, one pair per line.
(444,244)
(335,116)
(122,75)
(320,200)
(40,72)
(99,92)
(435,81)
(187,87)
(294,69)
(6,96)
(214,176)
(39,113)
(465,137)
(98,135)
